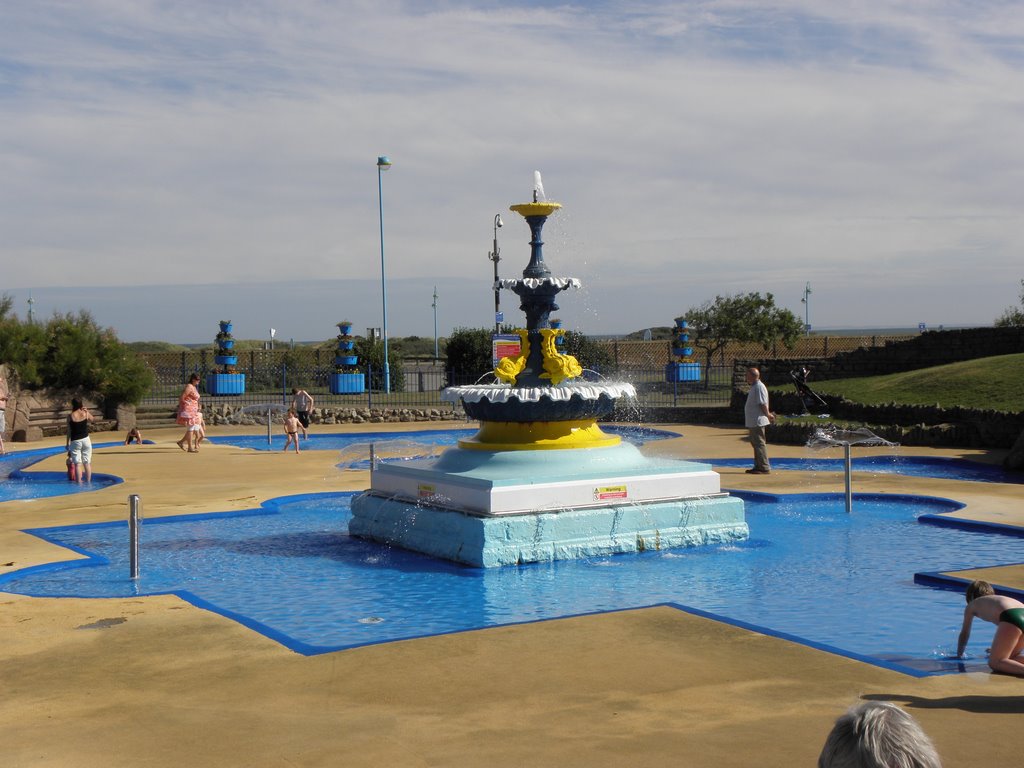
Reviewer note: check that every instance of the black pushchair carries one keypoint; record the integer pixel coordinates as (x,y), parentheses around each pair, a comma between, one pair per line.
(812,401)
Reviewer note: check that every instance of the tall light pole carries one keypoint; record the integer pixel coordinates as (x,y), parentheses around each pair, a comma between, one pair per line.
(495,257)
(383,164)
(806,300)
(434,305)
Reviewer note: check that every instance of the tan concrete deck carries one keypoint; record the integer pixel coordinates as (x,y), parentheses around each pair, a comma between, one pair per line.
(168,684)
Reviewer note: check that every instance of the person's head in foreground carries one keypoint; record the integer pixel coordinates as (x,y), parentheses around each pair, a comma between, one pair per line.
(878,735)
(978,588)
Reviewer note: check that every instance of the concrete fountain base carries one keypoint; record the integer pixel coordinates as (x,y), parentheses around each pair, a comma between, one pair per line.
(504,508)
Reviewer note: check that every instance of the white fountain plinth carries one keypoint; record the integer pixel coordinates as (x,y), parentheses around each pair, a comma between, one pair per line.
(509,507)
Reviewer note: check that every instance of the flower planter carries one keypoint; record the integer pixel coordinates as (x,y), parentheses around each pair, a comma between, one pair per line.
(225,327)
(682,372)
(225,383)
(345,328)
(225,359)
(226,343)
(346,345)
(682,351)
(347,383)
(346,359)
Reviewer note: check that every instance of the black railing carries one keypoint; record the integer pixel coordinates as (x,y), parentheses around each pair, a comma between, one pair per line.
(420,386)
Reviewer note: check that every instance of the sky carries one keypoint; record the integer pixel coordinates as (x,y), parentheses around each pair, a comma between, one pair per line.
(165,165)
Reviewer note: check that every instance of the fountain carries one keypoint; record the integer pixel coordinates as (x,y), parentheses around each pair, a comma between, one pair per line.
(540,480)
(827,437)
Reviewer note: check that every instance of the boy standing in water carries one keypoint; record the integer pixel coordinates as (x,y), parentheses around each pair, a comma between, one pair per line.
(1008,616)
(291,429)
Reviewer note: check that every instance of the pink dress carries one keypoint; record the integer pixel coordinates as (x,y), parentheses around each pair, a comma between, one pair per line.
(188,407)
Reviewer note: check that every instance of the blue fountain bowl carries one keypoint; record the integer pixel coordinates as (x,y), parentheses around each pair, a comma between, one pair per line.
(544,409)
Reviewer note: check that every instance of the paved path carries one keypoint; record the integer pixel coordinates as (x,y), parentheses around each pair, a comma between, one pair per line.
(157,682)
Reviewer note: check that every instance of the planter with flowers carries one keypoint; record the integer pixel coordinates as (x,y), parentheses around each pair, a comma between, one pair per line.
(683,368)
(226,381)
(347,378)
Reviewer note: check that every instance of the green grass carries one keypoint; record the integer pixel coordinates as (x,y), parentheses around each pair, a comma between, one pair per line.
(989,382)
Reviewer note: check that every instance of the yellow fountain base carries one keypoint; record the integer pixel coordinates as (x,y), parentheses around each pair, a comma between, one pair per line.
(538,436)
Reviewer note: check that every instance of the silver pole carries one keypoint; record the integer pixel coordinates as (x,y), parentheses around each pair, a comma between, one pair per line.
(134,510)
(849,468)
(269,438)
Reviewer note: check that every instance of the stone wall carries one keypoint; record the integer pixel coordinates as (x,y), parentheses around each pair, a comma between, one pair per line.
(228,414)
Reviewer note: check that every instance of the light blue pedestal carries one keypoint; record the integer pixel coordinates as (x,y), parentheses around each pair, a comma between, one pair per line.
(506,508)
(516,539)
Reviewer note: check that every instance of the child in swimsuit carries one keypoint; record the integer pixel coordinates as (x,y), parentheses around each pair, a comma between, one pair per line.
(291,429)
(1008,615)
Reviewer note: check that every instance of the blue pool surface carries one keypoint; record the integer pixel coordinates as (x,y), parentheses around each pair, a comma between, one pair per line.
(17,484)
(809,571)
(894,464)
(434,437)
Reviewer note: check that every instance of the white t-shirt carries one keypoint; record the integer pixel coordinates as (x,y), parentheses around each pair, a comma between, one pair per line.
(752,412)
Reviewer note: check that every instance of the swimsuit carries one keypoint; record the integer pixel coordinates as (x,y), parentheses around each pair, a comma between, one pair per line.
(1013,616)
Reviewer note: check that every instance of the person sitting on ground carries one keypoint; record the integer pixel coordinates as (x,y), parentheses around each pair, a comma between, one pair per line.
(133,436)
(878,734)
(1007,652)
(291,429)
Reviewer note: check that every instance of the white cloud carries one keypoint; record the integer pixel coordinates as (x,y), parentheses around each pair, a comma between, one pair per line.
(698,148)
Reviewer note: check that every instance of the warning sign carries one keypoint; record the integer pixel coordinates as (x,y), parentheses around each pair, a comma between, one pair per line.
(610,492)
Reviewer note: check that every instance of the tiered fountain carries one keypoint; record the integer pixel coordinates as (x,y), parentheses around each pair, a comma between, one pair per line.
(541,480)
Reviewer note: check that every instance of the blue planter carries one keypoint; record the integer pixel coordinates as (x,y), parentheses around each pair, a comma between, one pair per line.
(226,343)
(347,383)
(346,359)
(682,351)
(225,359)
(346,345)
(345,328)
(682,372)
(225,383)
(225,327)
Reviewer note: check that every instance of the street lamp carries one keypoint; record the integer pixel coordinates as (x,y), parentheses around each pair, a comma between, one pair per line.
(434,305)
(806,300)
(495,257)
(383,164)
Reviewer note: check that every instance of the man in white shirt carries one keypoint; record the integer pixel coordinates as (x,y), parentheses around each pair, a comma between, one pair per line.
(757,416)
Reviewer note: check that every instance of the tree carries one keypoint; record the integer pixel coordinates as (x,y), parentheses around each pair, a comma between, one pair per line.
(72,352)
(468,354)
(745,317)
(1012,317)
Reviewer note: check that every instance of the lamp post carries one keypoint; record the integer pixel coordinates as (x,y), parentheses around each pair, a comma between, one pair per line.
(434,305)
(495,257)
(806,301)
(383,164)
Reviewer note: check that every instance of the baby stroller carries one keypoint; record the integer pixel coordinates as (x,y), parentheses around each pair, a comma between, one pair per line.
(812,400)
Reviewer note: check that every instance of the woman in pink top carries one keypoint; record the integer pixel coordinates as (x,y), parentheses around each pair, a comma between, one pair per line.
(188,415)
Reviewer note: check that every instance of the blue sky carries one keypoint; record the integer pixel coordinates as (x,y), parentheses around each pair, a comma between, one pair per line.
(699,148)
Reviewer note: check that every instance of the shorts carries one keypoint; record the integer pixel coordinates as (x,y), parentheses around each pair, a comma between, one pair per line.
(3,421)
(194,428)
(303,417)
(80,451)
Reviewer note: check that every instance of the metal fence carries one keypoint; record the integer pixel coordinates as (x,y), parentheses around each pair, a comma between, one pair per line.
(270,381)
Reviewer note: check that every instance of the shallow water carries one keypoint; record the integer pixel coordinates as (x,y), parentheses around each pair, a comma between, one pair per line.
(809,569)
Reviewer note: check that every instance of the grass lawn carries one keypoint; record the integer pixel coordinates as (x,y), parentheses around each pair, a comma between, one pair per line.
(989,382)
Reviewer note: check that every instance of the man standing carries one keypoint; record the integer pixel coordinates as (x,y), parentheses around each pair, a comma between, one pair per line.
(757,416)
(302,404)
